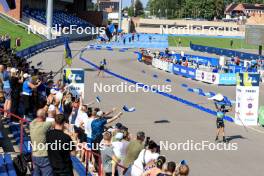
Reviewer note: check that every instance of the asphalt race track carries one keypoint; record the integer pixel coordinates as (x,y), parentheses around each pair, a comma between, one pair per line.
(180,122)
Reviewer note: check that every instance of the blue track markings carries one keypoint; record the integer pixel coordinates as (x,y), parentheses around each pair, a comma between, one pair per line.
(175,98)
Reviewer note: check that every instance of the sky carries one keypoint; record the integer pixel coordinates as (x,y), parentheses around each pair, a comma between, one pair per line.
(128,2)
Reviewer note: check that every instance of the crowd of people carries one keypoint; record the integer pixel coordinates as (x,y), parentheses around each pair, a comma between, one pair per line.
(66,126)
(5,41)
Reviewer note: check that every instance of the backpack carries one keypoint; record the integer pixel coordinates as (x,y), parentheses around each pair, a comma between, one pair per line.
(21,165)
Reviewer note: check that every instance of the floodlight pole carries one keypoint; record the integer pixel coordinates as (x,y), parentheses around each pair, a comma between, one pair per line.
(49,13)
(120,15)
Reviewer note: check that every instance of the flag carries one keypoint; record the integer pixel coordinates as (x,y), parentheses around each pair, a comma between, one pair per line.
(5,5)
(67,53)
(98,99)
(127,109)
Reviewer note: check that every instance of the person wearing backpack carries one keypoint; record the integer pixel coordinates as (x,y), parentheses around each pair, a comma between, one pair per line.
(145,156)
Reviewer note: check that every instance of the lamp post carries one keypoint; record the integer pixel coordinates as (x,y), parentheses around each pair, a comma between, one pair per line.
(120,15)
(49,12)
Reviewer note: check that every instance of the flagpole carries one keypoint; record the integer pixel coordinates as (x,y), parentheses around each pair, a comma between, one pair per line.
(62,66)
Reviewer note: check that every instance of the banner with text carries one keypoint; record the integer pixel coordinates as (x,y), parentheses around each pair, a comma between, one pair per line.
(247,99)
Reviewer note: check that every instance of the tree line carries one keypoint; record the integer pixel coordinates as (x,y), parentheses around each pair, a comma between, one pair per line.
(205,9)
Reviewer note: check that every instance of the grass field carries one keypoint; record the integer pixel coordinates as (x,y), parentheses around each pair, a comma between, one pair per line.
(209,41)
(17,31)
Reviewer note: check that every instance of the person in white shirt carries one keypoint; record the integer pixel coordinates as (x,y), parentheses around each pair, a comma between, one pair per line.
(51,113)
(145,156)
(120,148)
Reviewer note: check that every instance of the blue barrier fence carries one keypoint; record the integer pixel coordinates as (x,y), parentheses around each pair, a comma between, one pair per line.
(28,52)
(184,71)
(225,52)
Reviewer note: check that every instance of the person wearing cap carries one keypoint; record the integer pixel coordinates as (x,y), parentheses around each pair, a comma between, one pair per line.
(99,123)
(51,113)
(120,148)
(52,95)
(97,126)
(27,90)
(222,109)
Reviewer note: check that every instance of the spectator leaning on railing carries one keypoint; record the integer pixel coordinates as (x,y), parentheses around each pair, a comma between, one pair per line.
(38,132)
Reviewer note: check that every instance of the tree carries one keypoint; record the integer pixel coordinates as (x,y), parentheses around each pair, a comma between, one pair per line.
(130,11)
(139,10)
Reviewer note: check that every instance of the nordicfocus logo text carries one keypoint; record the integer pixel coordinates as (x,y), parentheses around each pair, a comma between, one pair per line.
(72,29)
(124,87)
(191,145)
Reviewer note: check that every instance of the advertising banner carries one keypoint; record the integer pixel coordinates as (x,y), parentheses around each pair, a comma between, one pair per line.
(184,71)
(227,79)
(247,99)
(74,78)
(208,77)
(170,67)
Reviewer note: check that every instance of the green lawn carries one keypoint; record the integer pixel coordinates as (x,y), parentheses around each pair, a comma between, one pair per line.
(209,41)
(16,31)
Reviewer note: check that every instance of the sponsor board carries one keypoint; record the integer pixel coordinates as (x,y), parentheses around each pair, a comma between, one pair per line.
(247,99)
(184,71)
(74,78)
(227,78)
(208,77)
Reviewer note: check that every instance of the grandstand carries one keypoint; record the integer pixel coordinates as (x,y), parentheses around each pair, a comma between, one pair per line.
(65,13)
(60,18)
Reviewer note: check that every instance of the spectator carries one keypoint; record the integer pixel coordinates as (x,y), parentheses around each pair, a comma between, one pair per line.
(157,169)
(145,156)
(97,126)
(183,170)
(99,123)
(133,149)
(67,105)
(87,125)
(120,146)
(51,113)
(169,171)
(1,82)
(16,87)
(27,91)
(38,132)
(108,156)
(7,93)
(60,158)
